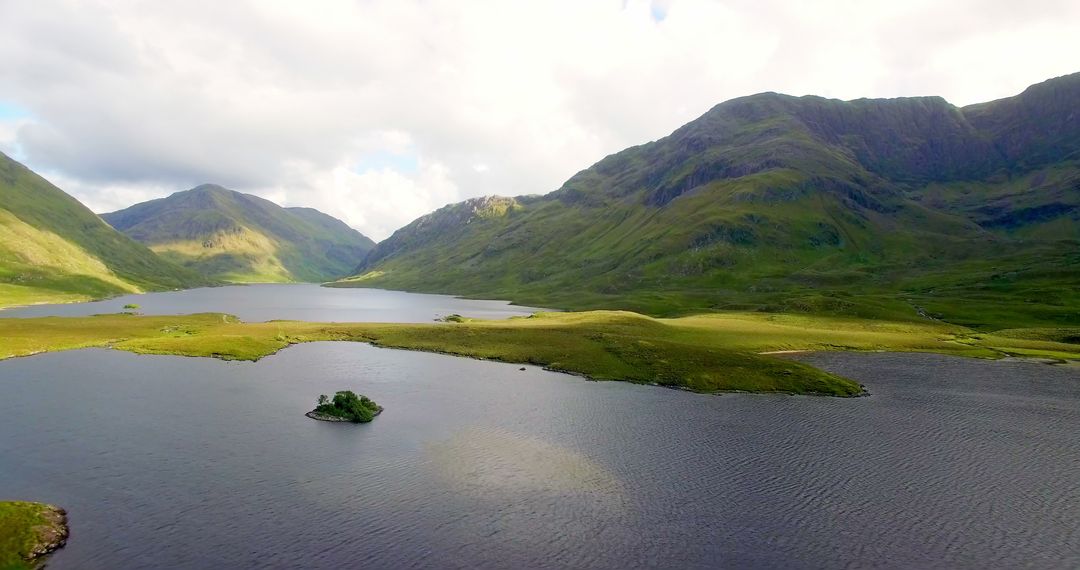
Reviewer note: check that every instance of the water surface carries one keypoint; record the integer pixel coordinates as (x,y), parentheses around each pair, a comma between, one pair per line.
(176,462)
(293,301)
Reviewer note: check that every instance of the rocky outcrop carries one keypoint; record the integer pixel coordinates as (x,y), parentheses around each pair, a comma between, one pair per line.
(439,225)
(328,418)
(51,534)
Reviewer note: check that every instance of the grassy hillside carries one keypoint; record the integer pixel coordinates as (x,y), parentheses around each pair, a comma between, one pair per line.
(901,209)
(243,238)
(54,249)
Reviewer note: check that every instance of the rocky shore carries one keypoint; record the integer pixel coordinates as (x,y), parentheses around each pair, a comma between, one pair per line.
(328,418)
(30,531)
(52,534)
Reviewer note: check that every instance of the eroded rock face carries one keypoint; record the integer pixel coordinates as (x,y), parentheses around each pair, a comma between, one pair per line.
(449,220)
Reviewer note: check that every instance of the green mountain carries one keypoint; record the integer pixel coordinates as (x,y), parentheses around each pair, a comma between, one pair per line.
(54,249)
(901,208)
(243,238)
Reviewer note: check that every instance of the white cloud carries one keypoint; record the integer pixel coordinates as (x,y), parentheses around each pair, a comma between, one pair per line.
(377,111)
(375,200)
(8,133)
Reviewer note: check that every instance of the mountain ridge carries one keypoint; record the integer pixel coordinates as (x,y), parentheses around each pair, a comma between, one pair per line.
(239,237)
(871,207)
(54,249)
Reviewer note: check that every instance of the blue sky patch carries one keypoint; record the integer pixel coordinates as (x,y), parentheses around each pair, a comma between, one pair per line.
(404,162)
(658,12)
(9,111)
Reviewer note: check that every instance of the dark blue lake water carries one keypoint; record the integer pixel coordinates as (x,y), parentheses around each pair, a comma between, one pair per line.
(172,462)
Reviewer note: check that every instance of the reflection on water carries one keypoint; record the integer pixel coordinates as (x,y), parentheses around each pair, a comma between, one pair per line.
(485,461)
(179,462)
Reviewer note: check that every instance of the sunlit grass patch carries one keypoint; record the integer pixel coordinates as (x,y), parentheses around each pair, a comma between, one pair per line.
(705,353)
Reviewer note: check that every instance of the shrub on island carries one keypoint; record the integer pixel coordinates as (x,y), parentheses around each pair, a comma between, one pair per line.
(452,318)
(346,406)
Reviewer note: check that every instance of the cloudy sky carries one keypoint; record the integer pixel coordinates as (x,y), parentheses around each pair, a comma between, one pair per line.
(380,111)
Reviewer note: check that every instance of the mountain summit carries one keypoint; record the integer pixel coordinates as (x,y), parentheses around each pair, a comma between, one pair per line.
(238,237)
(907,207)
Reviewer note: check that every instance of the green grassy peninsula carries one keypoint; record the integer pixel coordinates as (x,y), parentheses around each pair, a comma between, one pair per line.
(703,353)
(29,531)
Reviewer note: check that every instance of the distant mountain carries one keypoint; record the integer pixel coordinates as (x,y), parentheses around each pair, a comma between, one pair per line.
(243,238)
(906,208)
(52,248)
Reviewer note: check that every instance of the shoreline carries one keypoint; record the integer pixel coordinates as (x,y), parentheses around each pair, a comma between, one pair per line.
(335,419)
(39,303)
(53,536)
(42,528)
(703,354)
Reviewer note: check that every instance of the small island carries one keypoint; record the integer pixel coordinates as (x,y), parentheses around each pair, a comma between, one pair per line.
(346,406)
(29,531)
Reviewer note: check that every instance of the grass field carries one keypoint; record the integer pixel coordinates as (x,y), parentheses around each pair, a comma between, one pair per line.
(705,353)
(20,523)
(16,295)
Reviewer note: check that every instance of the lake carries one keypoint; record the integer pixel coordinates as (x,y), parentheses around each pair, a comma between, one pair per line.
(295,301)
(174,462)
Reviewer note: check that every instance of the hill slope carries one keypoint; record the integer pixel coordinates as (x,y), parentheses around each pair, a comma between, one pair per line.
(52,248)
(905,208)
(243,238)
